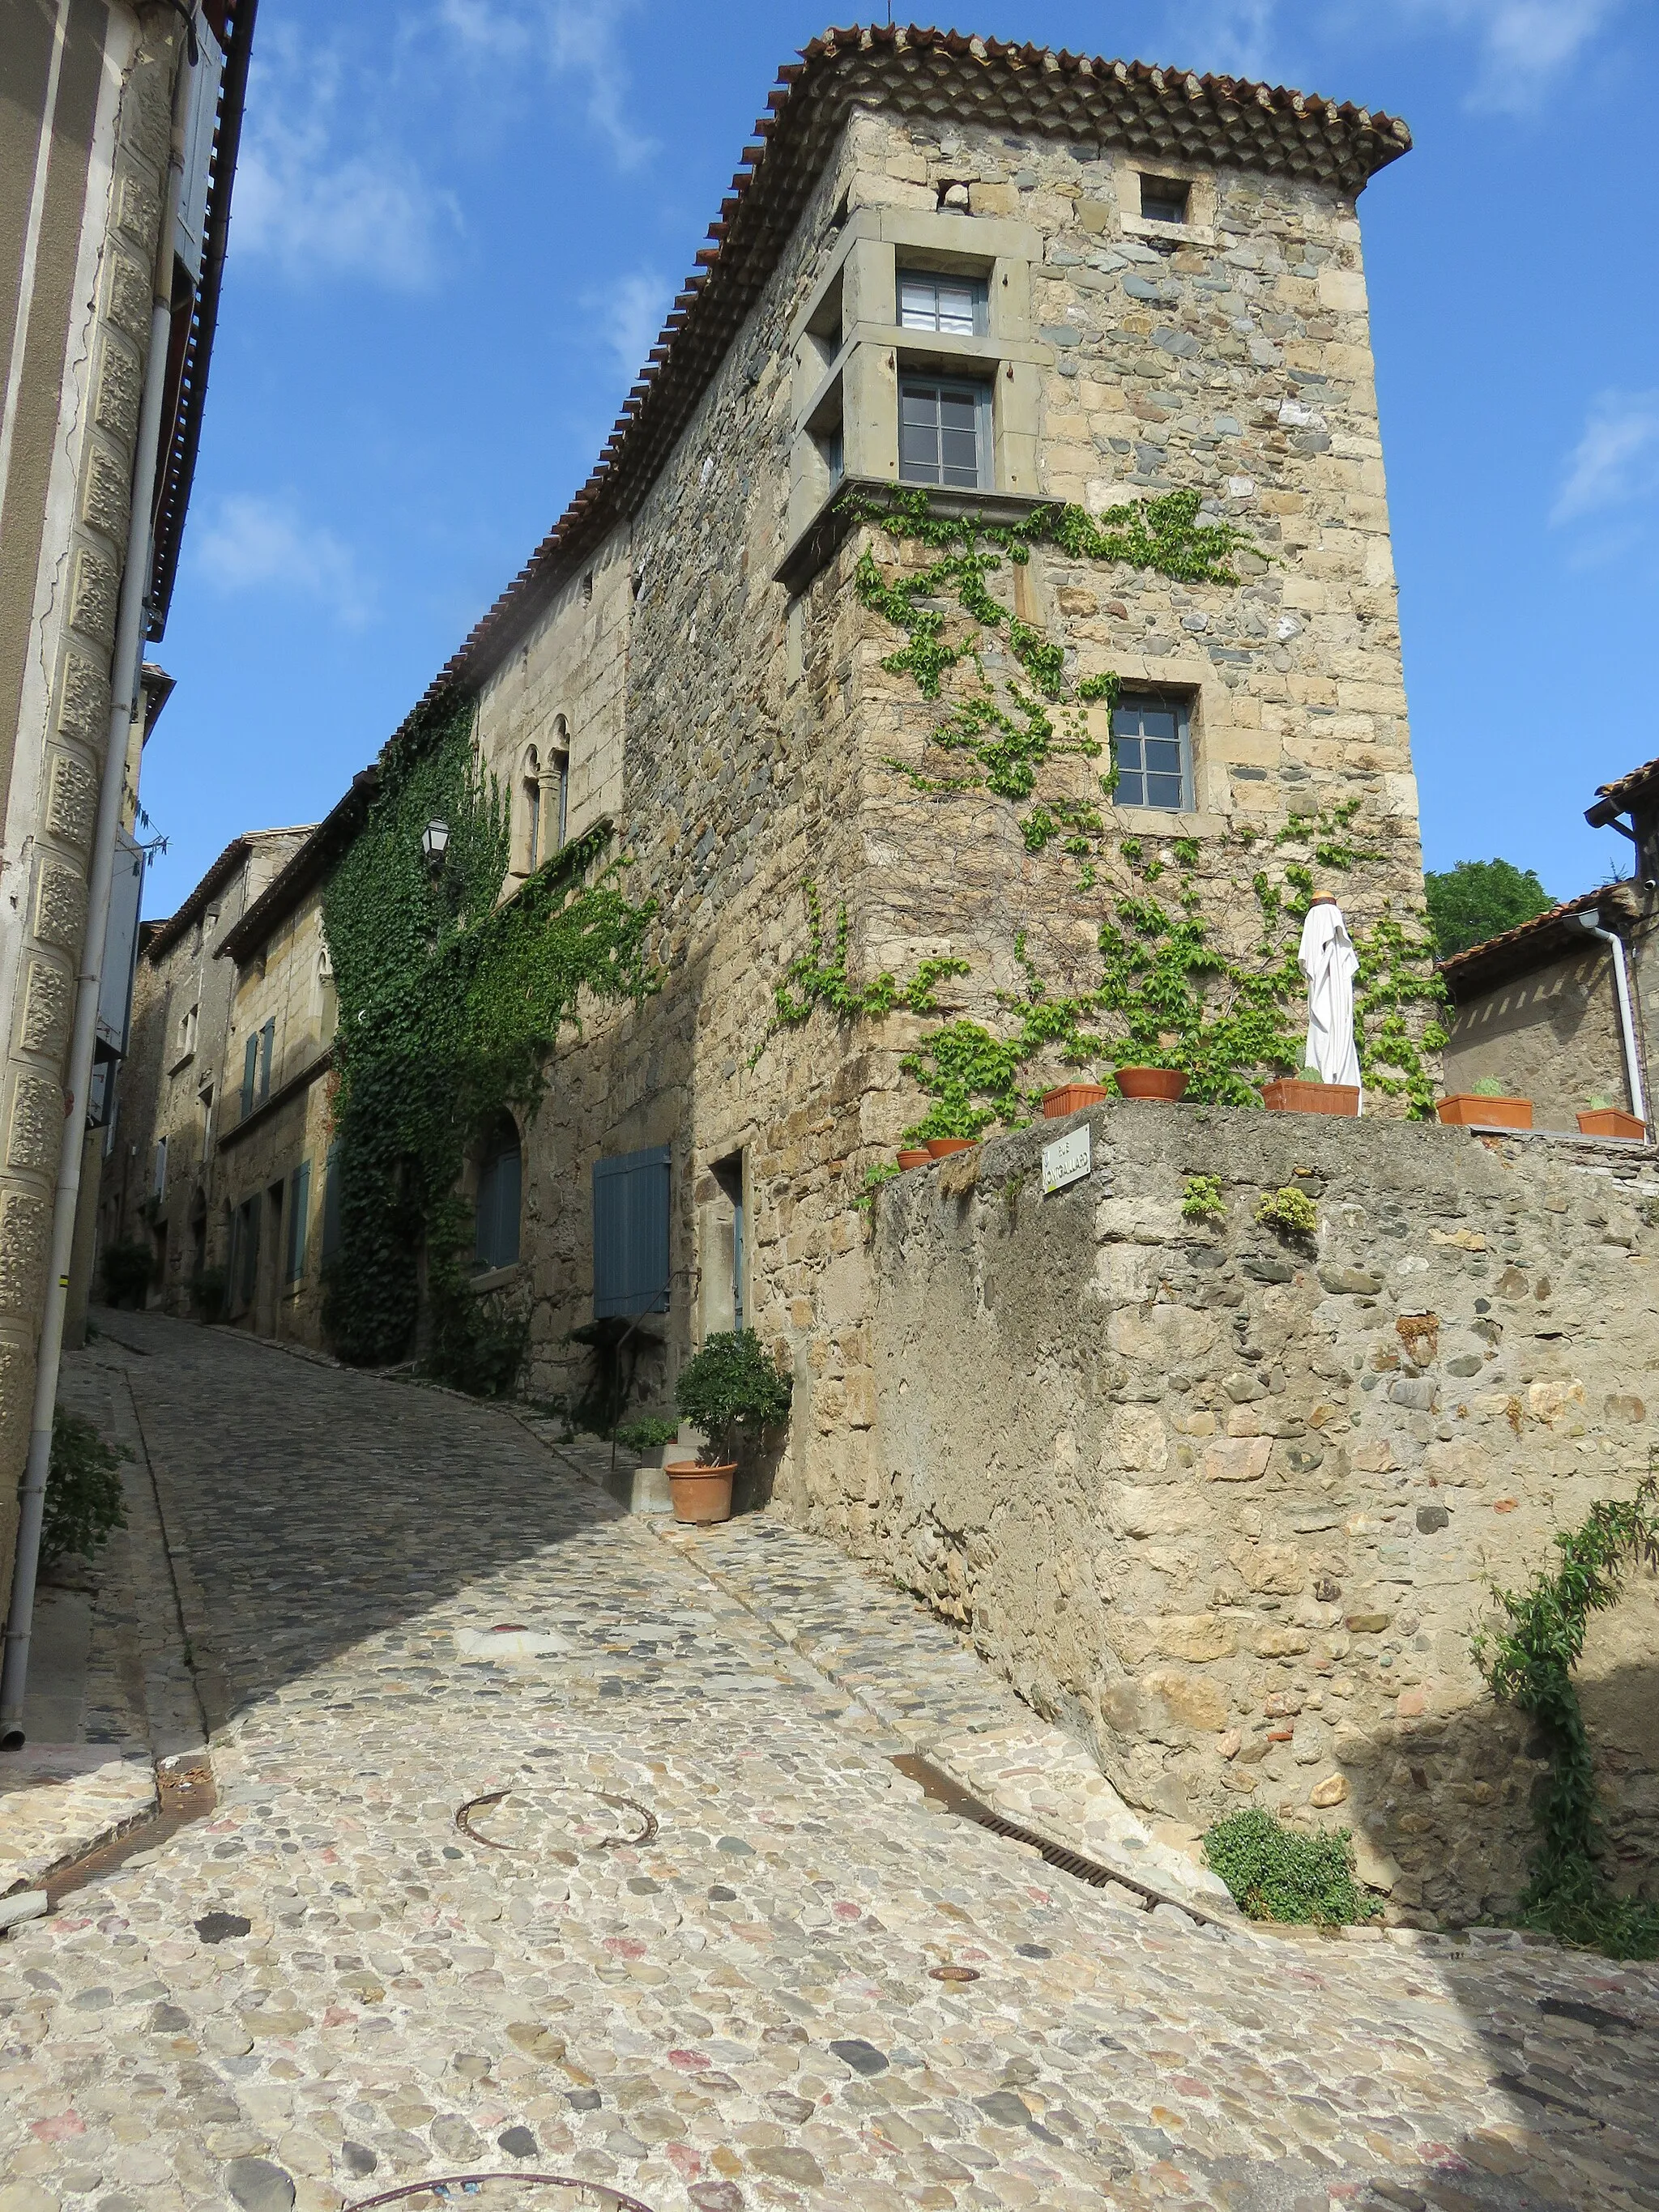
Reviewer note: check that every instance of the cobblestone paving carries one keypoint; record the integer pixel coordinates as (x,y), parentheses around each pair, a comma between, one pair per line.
(690,1947)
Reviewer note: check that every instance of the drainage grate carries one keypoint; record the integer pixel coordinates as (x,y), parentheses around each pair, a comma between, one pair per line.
(648,1830)
(966,1807)
(497,2192)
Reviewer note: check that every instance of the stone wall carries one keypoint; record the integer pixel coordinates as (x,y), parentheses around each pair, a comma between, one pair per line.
(1550,1034)
(1227,1500)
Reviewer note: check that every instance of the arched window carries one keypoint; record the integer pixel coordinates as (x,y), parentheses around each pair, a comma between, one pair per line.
(530,811)
(325,999)
(559,777)
(495,1238)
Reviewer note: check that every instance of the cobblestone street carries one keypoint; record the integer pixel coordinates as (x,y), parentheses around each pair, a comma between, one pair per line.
(698,1937)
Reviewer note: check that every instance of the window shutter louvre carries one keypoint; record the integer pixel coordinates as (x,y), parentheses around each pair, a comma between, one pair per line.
(250,1069)
(267,1040)
(630,1233)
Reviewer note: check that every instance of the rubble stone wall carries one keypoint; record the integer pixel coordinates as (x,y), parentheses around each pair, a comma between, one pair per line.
(1229,1500)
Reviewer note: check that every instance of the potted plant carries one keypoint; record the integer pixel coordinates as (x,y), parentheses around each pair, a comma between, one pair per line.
(914,1155)
(1163,1084)
(1487,1105)
(1070,1098)
(952,1125)
(1308,1092)
(1603,1119)
(729,1389)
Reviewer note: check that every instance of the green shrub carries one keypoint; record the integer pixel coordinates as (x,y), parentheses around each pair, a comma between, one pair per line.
(1488,1087)
(1202,1200)
(83,1499)
(648,1435)
(731,1390)
(1277,1874)
(128,1271)
(1290,1211)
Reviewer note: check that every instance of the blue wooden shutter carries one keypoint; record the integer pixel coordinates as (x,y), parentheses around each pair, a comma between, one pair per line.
(267,1040)
(249,1070)
(630,1233)
(331,1203)
(299,1202)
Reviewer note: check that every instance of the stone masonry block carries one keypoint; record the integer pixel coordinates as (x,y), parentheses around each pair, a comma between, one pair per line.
(72,799)
(16,1400)
(138,212)
(146,112)
(115,409)
(84,700)
(93,596)
(106,495)
(37,1121)
(25,1228)
(48,1000)
(60,906)
(129,297)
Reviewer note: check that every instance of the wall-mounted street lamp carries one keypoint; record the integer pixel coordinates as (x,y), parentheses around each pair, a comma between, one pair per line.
(434,842)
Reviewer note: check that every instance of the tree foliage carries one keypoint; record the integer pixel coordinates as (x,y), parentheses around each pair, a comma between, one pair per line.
(83,1501)
(1479,899)
(731,1389)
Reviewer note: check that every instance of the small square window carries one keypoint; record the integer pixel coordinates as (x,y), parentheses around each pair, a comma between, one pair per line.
(832,451)
(1152,750)
(944,433)
(952,304)
(1164,199)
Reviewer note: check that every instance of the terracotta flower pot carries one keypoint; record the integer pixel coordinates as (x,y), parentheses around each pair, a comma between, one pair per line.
(914,1155)
(938,1146)
(1290,1094)
(701,1494)
(1464,1109)
(1611,1121)
(1069,1098)
(1165,1085)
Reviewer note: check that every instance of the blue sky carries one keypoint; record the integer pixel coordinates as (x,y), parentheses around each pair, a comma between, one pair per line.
(457,224)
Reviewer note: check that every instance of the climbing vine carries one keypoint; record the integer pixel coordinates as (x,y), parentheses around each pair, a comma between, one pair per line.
(449,1003)
(1528,1664)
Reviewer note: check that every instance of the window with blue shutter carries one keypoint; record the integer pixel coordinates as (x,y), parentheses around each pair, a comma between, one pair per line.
(495,1237)
(249,1073)
(298,1206)
(630,1233)
(332,1204)
(267,1041)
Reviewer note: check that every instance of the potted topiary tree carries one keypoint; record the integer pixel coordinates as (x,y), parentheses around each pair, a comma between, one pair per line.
(730,1390)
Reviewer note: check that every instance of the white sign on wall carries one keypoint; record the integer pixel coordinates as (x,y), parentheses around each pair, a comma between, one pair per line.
(1067,1160)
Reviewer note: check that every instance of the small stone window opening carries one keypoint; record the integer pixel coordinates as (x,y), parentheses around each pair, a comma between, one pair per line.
(588,589)
(558,776)
(1152,751)
(953,305)
(1164,199)
(953,198)
(945,432)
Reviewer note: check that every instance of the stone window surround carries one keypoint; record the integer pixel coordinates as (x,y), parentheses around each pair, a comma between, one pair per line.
(1198,229)
(1214,738)
(849,346)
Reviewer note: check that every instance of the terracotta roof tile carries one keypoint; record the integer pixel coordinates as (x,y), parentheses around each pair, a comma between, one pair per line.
(1526,937)
(922,72)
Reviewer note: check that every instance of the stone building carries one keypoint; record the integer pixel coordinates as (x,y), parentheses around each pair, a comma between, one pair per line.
(99,97)
(1015,280)
(160,1171)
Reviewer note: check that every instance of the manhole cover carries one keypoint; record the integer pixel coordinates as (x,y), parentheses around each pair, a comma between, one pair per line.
(537,1815)
(506,2192)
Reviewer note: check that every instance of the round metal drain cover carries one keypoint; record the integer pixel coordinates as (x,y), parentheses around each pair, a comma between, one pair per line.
(507,2192)
(536,1816)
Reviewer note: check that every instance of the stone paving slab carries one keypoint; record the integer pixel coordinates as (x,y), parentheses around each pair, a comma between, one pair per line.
(690,1947)
(59,1800)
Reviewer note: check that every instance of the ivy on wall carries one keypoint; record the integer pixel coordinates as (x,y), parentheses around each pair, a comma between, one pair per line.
(1168,995)
(1528,1662)
(449,1003)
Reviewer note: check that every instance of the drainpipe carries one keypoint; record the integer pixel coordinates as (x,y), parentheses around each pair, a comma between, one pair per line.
(124,665)
(1591,925)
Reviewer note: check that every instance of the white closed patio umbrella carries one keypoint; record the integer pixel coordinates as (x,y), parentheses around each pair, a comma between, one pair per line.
(1327,957)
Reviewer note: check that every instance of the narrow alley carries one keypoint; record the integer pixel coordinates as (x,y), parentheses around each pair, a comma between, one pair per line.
(549,1843)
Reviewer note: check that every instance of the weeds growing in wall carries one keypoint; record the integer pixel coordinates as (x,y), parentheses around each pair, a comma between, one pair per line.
(450,1002)
(1528,1662)
(1167,994)
(1277,1874)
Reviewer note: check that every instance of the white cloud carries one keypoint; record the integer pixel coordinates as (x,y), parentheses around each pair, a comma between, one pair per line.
(571,39)
(253,542)
(629,312)
(320,191)
(1526,45)
(1616,461)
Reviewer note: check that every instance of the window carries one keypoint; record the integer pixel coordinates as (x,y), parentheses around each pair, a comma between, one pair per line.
(250,1072)
(832,451)
(267,1045)
(728,1174)
(630,1233)
(324,997)
(1151,749)
(953,305)
(495,1235)
(331,1203)
(944,432)
(560,778)
(1164,199)
(187,1032)
(298,1206)
(160,1181)
(245,1252)
(532,811)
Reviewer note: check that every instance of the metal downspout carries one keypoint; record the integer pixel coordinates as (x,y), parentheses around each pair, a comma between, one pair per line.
(1592,927)
(123,664)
